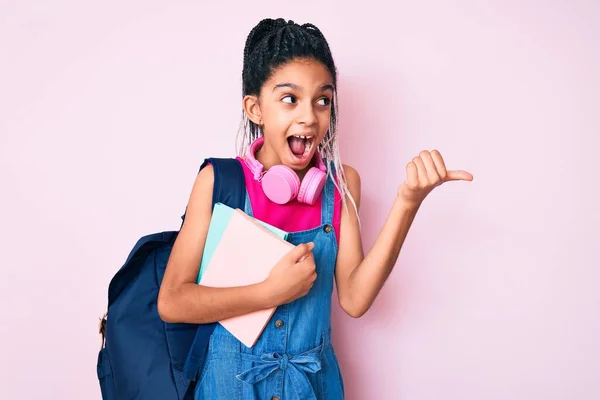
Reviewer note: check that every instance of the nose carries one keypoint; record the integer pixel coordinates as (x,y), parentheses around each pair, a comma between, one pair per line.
(307,114)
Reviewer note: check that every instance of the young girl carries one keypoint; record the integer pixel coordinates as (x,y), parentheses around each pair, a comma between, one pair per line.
(289,103)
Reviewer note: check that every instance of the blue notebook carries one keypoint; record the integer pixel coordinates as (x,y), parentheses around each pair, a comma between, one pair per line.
(220,218)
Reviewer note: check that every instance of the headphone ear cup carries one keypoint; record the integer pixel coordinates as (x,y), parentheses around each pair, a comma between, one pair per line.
(280,184)
(311,185)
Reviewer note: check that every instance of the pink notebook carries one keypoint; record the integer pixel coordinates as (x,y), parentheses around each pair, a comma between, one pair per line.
(245,255)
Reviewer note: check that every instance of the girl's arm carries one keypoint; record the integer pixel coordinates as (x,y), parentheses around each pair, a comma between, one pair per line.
(359,278)
(180,298)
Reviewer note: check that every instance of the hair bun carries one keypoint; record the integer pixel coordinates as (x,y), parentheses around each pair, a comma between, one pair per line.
(261,30)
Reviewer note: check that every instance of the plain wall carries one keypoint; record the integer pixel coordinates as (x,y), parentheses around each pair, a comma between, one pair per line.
(107,110)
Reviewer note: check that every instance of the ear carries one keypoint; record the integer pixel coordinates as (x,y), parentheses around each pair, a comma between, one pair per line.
(252,109)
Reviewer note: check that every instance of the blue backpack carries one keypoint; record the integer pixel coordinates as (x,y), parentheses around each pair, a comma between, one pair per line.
(143,357)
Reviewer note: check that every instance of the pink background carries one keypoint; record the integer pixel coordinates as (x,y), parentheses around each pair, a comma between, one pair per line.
(107,109)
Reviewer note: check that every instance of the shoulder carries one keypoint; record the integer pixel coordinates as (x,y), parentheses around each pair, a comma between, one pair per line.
(205,178)
(352,180)
(202,190)
(351,173)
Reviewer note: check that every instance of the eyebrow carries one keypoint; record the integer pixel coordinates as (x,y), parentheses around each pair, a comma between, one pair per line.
(296,87)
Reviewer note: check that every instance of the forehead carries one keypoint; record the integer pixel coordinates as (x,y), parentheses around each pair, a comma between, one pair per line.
(308,74)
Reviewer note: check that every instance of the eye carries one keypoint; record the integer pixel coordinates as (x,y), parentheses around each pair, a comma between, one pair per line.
(325,101)
(291,100)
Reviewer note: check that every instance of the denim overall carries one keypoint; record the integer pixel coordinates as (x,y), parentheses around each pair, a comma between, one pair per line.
(293,359)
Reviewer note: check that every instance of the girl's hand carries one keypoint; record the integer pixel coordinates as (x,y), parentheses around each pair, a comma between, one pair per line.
(293,276)
(424,173)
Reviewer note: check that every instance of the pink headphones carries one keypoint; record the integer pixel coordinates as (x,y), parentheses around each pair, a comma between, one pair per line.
(281,183)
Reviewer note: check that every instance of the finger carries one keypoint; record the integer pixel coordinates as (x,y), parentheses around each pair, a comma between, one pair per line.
(305,257)
(300,252)
(439,164)
(432,175)
(412,177)
(421,171)
(459,176)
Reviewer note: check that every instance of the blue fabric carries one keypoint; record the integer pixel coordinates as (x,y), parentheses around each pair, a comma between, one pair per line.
(144,358)
(293,358)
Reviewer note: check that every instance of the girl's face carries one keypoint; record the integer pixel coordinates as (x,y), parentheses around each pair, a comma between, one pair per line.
(294,110)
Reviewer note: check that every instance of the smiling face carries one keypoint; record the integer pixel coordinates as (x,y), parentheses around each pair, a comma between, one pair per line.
(294,111)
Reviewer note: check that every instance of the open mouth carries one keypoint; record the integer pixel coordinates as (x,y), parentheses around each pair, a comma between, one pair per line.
(301,145)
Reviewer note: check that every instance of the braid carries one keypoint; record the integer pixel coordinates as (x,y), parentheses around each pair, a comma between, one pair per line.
(258,33)
(275,42)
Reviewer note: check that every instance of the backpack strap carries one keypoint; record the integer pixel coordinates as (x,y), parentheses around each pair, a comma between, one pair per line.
(230,189)
(229,184)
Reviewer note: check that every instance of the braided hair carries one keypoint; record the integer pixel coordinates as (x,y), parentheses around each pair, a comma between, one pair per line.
(271,44)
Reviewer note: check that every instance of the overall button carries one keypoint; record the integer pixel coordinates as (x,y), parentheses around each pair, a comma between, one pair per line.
(274,398)
(278,323)
(327,228)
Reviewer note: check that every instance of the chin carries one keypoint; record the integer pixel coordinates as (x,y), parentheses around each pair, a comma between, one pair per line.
(298,163)
(303,161)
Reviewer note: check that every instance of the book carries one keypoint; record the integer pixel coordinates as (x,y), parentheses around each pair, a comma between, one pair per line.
(242,251)
(219,220)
